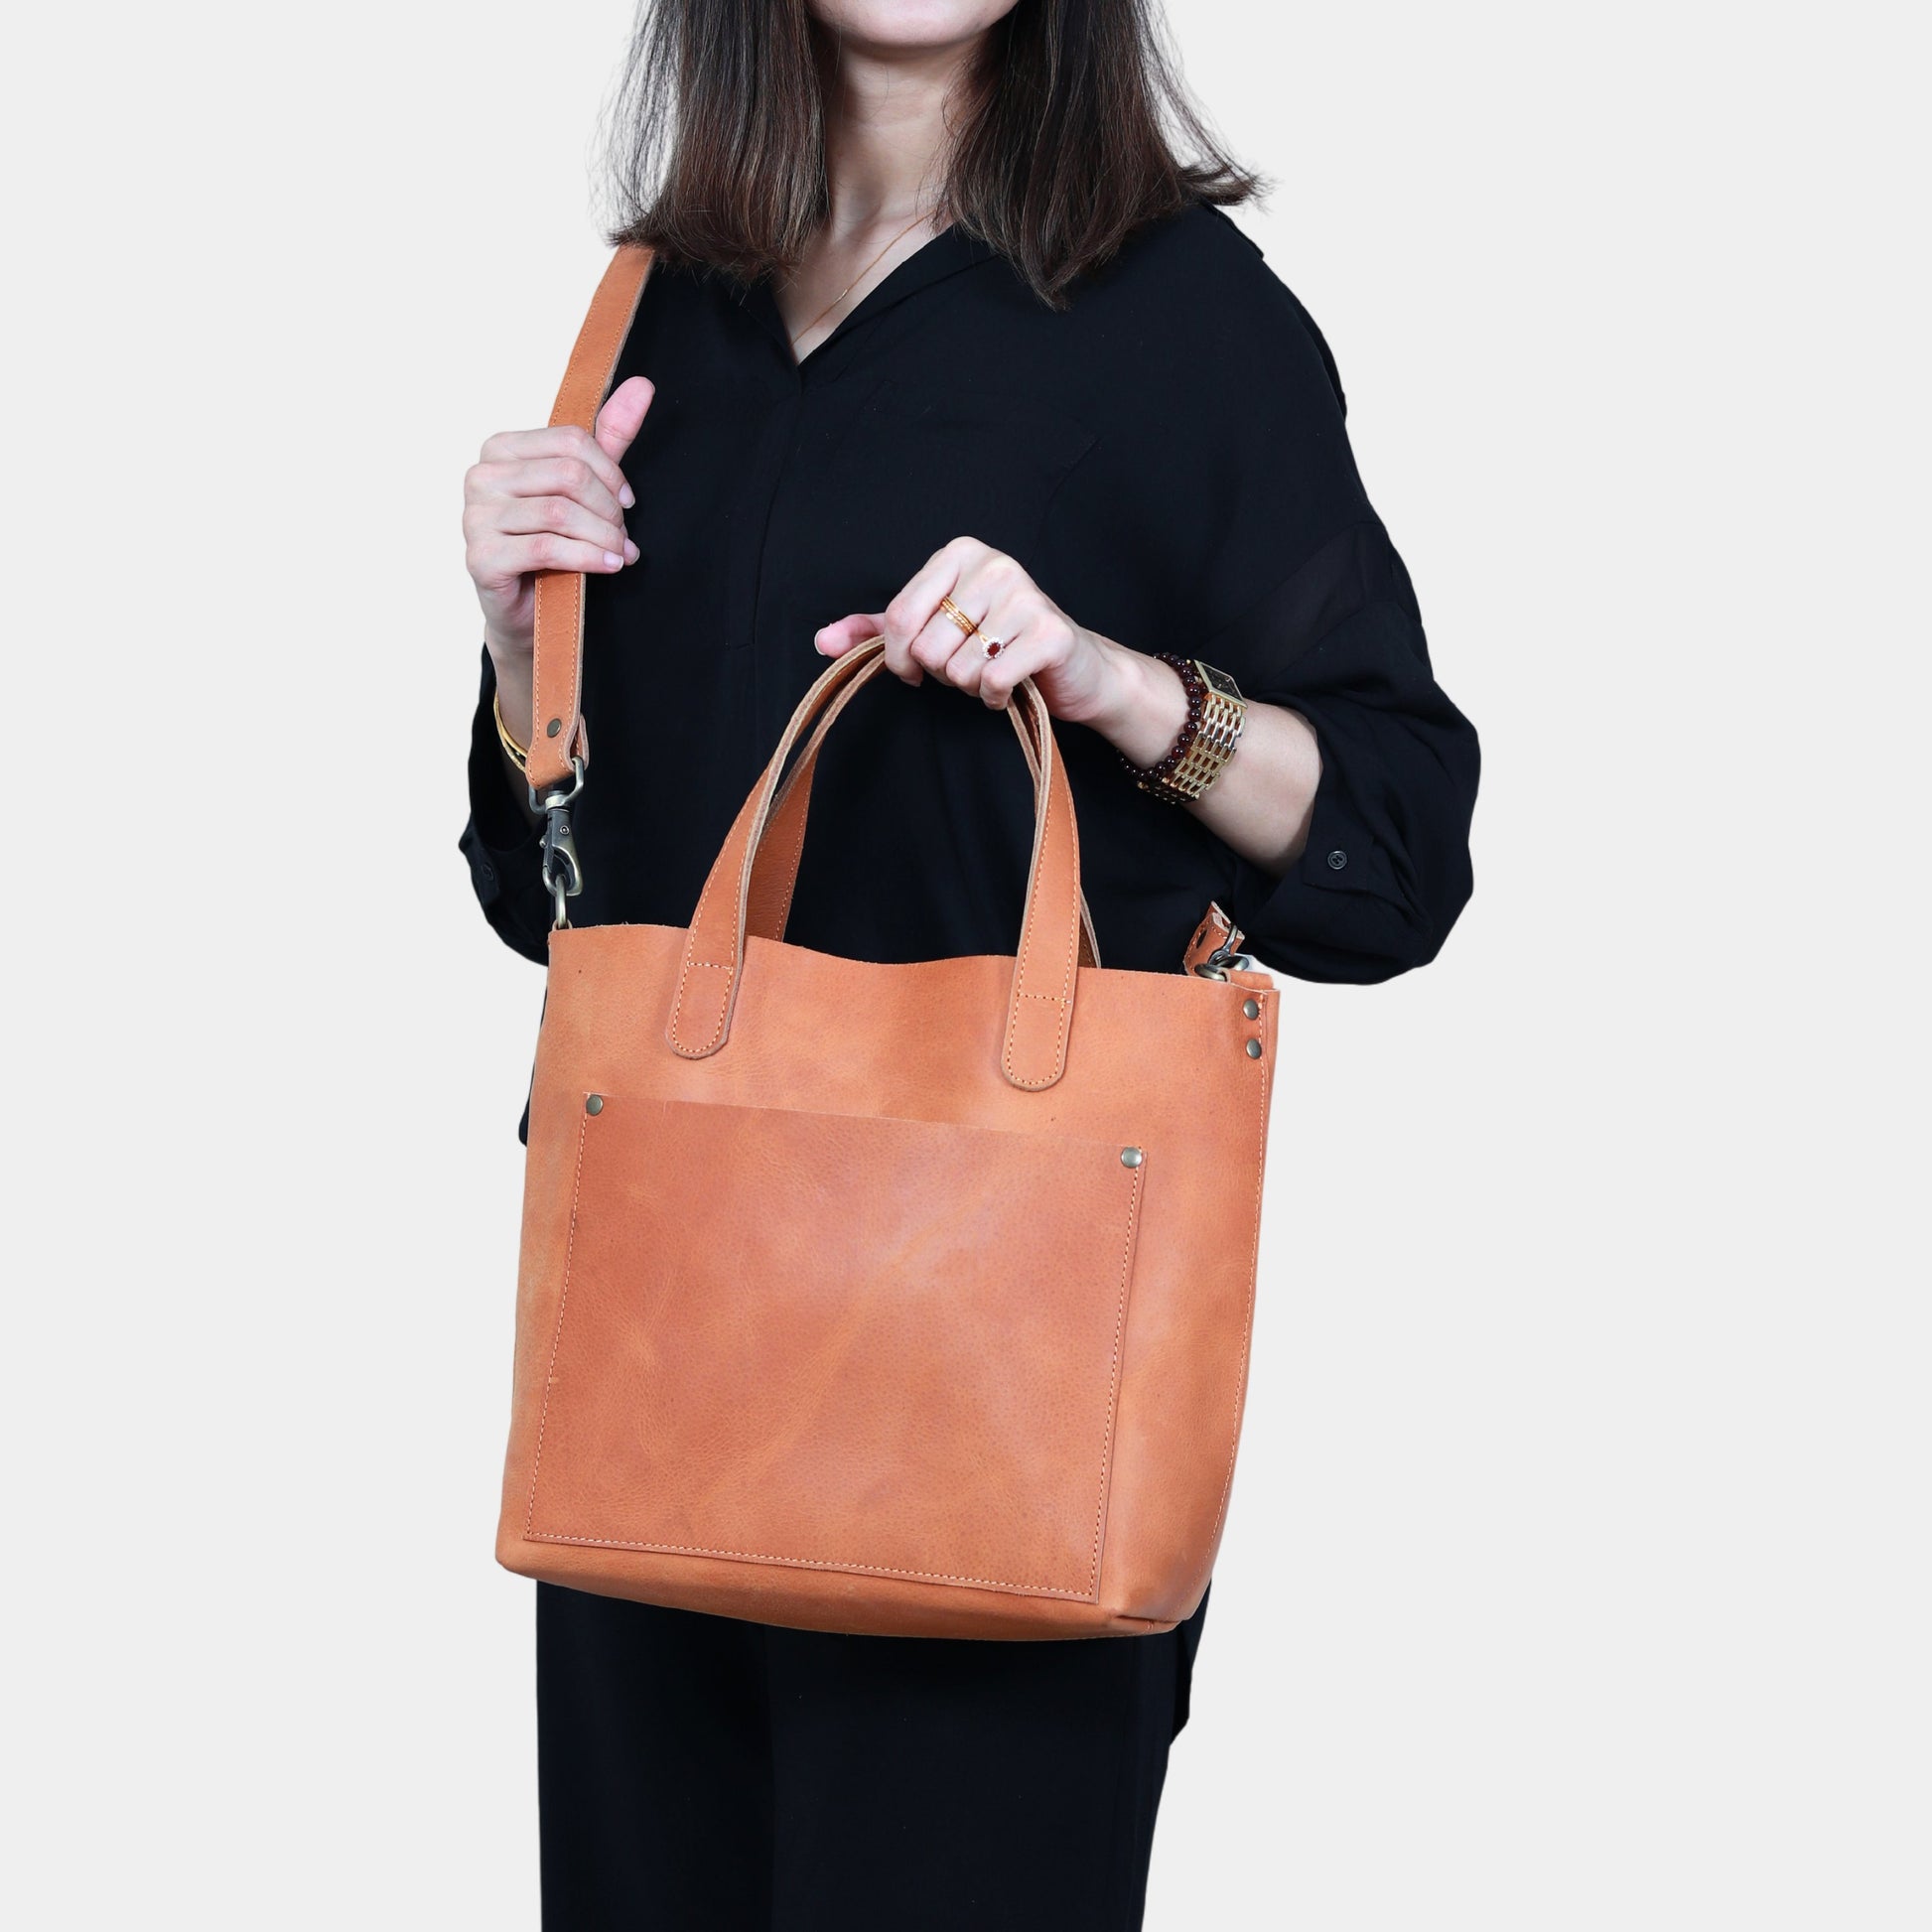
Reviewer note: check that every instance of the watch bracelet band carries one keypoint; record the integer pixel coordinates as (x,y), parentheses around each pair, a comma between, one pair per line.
(1216,712)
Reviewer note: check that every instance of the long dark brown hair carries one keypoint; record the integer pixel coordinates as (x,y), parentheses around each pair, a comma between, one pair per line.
(1076,131)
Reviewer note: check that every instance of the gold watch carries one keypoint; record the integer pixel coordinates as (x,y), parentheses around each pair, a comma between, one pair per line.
(1216,712)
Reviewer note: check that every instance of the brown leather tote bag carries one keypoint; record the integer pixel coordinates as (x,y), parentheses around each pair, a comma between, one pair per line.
(901,1300)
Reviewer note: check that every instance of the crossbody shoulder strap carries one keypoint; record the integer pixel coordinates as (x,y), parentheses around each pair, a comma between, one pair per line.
(558,746)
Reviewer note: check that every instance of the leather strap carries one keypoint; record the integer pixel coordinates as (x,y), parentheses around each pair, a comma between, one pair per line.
(1040,1006)
(557,667)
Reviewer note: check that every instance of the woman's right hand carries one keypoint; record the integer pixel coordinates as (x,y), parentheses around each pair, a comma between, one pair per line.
(545,499)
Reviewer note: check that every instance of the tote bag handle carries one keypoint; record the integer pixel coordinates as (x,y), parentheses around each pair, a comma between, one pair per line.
(774,871)
(1046,969)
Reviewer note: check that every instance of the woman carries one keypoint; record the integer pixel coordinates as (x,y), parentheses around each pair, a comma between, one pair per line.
(945,342)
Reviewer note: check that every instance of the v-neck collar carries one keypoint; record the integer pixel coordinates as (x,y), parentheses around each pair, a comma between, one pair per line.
(948,253)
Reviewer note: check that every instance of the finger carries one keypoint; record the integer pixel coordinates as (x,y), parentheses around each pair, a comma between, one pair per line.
(838,639)
(964,663)
(911,610)
(517,556)
(522,445)
(619,420)
(1027,653)
(996,592)
(938,644)
(1015,608)
(562,515)
(548,476)
(967,668)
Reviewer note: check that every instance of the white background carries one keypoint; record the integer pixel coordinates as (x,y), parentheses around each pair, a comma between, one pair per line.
(1578,1571)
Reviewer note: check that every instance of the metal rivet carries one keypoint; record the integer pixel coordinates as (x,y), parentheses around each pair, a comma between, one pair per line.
(594,1104)
(1131,1157)
(1252,1008)
(553,728)
(1254,1050)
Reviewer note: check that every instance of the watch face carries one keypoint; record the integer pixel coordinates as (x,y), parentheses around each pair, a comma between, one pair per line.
(1218,680)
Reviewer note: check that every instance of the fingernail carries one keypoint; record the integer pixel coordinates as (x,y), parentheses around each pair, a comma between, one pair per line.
(630,552)
(627,498)
(611,561)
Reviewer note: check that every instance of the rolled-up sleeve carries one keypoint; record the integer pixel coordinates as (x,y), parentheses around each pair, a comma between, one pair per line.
(502,848)
(1386,869)
(1283,576)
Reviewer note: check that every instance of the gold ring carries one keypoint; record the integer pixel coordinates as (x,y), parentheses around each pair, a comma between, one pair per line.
(959,616)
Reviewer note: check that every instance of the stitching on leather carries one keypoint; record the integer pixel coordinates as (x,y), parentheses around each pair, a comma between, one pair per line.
(761,804)
(810,1563)
(557,1338)
(572,594)
(583,347)
(568,707)
(765,798)
(1092,1591)
(684,973)
(1113,1386)
(1088,945)
(1254,1269)
(711,966)
(605,327)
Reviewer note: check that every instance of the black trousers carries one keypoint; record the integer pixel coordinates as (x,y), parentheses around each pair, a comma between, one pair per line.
(702,1775)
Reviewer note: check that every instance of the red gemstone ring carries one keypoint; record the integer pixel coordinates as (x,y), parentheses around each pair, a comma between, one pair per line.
(992,647)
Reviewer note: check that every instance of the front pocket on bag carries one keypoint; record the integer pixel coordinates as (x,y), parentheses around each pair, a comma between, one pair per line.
(890,1346)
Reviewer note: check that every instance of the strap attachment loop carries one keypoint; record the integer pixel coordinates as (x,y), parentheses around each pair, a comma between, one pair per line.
(563,871)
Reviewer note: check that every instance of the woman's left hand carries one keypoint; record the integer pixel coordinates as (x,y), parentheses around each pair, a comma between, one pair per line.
(1085,678)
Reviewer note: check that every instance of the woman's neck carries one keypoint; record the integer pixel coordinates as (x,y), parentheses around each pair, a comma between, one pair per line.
(887,132)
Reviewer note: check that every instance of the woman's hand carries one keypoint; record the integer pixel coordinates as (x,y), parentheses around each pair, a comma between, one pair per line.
(1262,803)
(545,499)
(1085,678)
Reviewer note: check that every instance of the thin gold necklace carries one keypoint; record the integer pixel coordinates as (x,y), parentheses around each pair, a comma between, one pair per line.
(802,333)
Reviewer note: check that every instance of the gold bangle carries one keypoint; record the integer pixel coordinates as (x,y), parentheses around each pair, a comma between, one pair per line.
(515,751)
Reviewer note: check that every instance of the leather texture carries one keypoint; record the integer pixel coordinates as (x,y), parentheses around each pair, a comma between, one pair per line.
(557,734)
(907,1299)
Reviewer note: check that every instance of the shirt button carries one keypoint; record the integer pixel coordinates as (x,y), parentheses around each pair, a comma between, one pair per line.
(1336,860)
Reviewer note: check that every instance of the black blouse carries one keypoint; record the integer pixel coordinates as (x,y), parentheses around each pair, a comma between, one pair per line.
(1166,457)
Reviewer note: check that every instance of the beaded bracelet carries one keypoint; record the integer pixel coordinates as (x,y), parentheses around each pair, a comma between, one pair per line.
(1216,712)
(1150,776)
